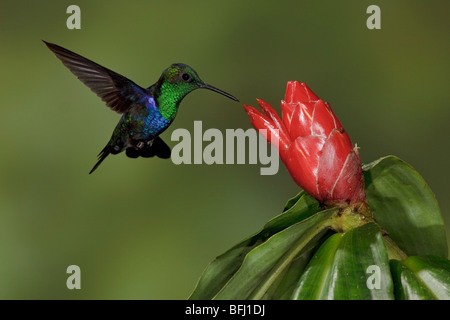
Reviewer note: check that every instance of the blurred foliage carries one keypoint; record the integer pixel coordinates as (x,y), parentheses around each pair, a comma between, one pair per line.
(146,229)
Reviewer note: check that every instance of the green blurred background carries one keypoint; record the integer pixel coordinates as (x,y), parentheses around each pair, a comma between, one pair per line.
(146,228)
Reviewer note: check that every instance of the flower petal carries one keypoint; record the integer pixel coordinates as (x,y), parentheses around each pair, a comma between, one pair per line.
(301,120)
(332,159)
(302,161)
(260,121)
(287,109)
(272,114)
(350,183)
(323,121)
(299,92)
(336,119)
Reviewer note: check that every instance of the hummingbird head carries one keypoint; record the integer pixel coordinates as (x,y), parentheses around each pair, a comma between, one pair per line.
(179,79)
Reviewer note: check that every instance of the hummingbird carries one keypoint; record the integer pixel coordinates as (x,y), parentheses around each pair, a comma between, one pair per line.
(146,112)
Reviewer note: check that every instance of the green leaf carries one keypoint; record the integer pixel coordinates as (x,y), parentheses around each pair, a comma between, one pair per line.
(350,265)
(297,209)
(404,206)
(222,268)
(406,285)
(292,201)
(286,282)
(421,278)
(265,263)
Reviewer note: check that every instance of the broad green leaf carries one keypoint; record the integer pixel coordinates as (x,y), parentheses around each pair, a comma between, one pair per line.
(406,285)
(298,208)
(290,203)
(350,265)
(264,264)
(421,278)
(286,283)
(315,281)
(404,206)
(221,269)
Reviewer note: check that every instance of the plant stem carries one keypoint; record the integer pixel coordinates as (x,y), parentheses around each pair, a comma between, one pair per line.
(351,217)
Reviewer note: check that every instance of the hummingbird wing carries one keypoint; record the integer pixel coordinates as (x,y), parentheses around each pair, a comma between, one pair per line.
(118,92)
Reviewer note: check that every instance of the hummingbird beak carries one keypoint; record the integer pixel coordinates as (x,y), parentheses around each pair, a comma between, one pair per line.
(209,87)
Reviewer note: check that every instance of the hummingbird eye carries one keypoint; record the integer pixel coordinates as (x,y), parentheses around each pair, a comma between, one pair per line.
(186,77)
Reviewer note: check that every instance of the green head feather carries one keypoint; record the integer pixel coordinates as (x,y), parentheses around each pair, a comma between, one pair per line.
(174,84)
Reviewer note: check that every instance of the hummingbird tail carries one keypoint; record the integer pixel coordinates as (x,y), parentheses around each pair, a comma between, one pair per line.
(101,156)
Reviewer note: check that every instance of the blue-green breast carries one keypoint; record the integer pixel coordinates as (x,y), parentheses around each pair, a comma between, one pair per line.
(143,121)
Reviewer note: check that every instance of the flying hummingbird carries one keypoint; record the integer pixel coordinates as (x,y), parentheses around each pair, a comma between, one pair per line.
(146,112)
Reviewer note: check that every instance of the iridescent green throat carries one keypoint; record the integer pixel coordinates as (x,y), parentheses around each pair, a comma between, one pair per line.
(169,98)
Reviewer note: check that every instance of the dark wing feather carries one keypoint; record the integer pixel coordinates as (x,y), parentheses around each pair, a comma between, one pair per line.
(115,90)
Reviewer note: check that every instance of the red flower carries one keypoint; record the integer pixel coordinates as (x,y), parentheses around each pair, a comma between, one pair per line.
(313,145)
